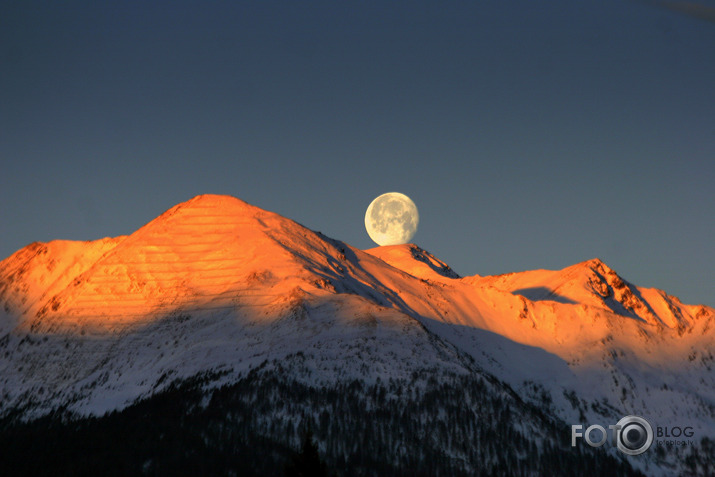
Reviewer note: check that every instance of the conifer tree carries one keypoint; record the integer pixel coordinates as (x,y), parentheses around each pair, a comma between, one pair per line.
(307,462)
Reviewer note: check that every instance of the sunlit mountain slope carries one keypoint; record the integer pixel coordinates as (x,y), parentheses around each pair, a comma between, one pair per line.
(217,285)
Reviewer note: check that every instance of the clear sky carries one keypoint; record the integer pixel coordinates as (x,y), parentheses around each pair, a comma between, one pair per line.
(529,134)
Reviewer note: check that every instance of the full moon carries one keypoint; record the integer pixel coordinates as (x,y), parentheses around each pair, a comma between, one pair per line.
(391,219)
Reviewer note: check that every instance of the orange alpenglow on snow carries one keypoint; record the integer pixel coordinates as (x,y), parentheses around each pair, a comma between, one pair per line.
(210,252)
(218,283)
(218,252)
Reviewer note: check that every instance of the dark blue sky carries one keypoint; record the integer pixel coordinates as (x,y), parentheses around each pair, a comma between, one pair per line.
(529,134)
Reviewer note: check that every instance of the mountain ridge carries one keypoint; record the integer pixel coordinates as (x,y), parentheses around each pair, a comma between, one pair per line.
(217,285)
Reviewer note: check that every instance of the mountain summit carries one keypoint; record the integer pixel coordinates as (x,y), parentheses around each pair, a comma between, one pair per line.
(219,289)
(209,252)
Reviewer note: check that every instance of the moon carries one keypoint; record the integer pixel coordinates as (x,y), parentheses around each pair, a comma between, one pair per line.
(391,219)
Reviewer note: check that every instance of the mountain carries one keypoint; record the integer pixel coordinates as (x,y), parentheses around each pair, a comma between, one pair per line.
(224,309)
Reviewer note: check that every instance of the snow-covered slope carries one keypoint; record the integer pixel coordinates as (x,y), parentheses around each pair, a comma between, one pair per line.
(212,284)
(215,284)
(579,332)
(415,261)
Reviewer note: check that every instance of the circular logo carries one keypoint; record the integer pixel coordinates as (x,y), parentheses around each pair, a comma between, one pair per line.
(634,435)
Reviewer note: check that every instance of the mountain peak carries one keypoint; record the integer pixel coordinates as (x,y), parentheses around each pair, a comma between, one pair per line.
(593,283)
(596,265)
(208,204)
(198,254)
(215,201)
(414,260)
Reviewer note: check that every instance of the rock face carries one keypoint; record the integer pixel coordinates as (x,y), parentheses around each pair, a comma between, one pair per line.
(224,290)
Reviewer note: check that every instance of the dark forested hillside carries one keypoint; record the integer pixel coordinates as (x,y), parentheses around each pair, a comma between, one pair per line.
(430,425)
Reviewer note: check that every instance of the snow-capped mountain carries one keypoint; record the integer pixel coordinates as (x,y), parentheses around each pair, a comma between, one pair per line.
(217,287)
